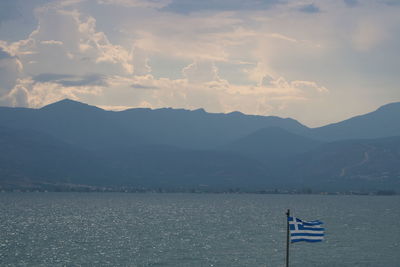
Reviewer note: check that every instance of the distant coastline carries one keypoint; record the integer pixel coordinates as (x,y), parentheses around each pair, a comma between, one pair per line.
(62,188)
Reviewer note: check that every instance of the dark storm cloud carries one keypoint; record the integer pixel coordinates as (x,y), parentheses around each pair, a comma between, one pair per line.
(141,86)
(190,6)
(311,8)
(50,77)
(4,54)
(351,3)
(71,80)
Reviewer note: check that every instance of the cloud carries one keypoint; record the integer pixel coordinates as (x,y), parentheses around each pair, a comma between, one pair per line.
(10,71)
(51,42)
(4,54)
(200,71)
(259,57)
(71,42)
(47,77)
(311,8)
(136,3)
(141,86)
(215,94)
(351,3)
(71,80)
(202,39)
(28,92)
(176,36)
(66,42)
(140,62)
(190,6)
(17,96)
(115,108)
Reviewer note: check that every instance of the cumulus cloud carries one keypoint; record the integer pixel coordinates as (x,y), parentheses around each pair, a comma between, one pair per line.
(69,41)
(203,40)
(61,52)
(18,95)
(200,71)
(10,71)
(27,92)
(140,61)
(213,93)
(259,57)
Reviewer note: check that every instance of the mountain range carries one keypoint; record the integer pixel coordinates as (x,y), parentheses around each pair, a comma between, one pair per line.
(74,144)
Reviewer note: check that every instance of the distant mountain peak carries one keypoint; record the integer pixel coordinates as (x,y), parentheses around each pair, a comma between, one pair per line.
(69,104)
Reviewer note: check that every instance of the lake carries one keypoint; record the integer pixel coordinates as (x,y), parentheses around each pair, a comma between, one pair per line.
(117,229)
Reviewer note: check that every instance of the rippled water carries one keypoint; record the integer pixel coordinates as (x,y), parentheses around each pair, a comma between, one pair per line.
(109,229)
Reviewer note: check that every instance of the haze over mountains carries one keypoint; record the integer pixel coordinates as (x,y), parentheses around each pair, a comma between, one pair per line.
(72,143)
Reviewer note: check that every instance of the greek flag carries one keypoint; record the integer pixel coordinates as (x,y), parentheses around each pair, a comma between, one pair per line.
(305,231)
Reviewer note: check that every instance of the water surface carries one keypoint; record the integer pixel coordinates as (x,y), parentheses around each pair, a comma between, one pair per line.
(111,229)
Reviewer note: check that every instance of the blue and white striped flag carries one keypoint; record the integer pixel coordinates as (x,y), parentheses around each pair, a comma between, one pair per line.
(305,231)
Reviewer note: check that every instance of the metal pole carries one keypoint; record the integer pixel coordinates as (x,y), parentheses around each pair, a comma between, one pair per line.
(287,237)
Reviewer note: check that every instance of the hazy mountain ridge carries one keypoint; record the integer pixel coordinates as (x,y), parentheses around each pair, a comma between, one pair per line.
(71,142)
(380,123)
(94,128)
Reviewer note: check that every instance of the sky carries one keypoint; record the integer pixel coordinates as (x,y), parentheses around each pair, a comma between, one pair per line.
(315,61)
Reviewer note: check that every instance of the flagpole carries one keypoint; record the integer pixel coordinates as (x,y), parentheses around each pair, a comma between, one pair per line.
(287,237)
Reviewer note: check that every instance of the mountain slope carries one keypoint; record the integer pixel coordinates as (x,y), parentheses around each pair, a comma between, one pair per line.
(171,167)
(31,159)
(271,143)
(350,164)
(383,122)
